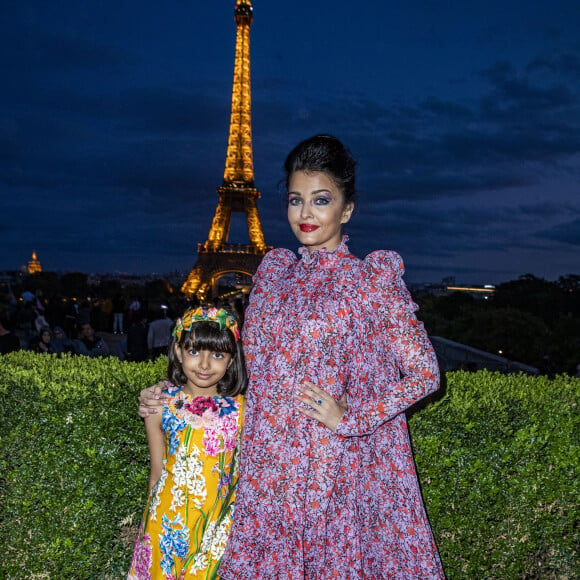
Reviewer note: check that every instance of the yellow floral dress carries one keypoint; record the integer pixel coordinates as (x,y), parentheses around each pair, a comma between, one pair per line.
(190,509)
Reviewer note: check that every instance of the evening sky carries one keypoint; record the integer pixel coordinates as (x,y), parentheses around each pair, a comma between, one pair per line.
(463,116)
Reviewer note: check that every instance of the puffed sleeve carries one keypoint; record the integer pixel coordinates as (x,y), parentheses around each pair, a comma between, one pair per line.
(276,264)
(399,363)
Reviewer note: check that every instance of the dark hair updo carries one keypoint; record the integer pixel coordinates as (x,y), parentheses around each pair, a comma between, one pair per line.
(326,154)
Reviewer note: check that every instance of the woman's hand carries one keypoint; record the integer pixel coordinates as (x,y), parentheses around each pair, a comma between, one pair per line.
(319,405)
(151,399)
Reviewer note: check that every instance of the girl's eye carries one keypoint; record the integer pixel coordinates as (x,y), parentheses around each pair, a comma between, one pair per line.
(192,352)
(294,201)
(218,355)
(322,200)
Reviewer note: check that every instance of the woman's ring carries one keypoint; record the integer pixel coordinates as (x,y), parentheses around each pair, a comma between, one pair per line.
(319,401)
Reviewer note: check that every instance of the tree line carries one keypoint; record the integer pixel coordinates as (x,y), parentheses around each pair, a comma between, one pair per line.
(529,320)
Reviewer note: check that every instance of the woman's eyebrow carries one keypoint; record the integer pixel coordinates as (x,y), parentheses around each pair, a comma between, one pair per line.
(315,192)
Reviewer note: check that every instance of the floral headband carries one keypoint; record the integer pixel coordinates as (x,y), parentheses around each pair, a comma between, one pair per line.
(193,315)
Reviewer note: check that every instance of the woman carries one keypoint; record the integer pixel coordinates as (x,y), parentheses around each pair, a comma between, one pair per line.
(61,342)
(335,355)
(42,342)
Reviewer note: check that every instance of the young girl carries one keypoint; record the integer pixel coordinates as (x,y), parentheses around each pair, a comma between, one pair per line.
(194,449)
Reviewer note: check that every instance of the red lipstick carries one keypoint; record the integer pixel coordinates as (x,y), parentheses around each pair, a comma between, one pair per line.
(307,228)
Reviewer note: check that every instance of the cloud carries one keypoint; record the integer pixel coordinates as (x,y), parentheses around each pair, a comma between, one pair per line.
(30,50)
(567,64)
(567,233)
(516,93)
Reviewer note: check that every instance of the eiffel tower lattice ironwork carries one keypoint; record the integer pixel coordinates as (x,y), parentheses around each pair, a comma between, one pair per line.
(217,257)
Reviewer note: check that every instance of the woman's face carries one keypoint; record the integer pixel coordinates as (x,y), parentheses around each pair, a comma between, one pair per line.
(316,210)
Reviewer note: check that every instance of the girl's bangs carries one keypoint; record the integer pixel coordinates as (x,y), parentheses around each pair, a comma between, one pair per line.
(208,336)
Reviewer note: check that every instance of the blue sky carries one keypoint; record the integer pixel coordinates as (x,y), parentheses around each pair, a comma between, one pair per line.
(464,118)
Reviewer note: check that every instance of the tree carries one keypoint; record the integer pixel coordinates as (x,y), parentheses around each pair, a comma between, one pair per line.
(534,295)
(75,285)
(47,282)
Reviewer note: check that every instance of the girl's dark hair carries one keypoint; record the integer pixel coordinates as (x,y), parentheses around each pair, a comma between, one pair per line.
(328,155)
(206,335)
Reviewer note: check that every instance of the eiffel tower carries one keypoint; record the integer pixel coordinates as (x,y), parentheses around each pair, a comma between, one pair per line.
(216,256)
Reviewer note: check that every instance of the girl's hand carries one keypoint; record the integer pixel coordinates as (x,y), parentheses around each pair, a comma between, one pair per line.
(151,399)
(319,405)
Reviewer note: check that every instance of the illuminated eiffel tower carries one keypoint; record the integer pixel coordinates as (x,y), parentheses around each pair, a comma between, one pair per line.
(216,257)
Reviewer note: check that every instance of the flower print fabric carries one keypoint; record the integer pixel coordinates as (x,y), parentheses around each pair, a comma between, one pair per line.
(313,504)
(189,512)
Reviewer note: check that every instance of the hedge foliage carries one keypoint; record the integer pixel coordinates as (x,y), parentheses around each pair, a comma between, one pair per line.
(74,464)
(498,458)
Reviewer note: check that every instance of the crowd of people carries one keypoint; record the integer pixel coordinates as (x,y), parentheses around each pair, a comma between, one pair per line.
(129,329)
(47,340)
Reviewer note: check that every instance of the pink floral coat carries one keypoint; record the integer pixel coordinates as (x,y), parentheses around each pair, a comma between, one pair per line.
(313,504)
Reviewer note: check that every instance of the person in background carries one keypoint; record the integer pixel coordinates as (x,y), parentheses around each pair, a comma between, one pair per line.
(71,316)
(240,310)
(61,342)
(9,342)
(104,313)
(39,301)
(134,309)
(12,307)
(26,318)
(85,311)
(42,342)
(55,311)
(89,343)
(118,313)
(40,322)
(159,334)
(137,349)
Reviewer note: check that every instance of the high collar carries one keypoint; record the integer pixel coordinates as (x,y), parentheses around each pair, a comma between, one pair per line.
(323,257)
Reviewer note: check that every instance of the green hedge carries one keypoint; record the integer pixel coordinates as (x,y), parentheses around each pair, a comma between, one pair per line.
(74,464)
(498,458)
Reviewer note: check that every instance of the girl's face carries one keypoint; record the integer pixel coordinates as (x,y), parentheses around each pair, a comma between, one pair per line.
(203,368)
(316,210)
(45,336)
